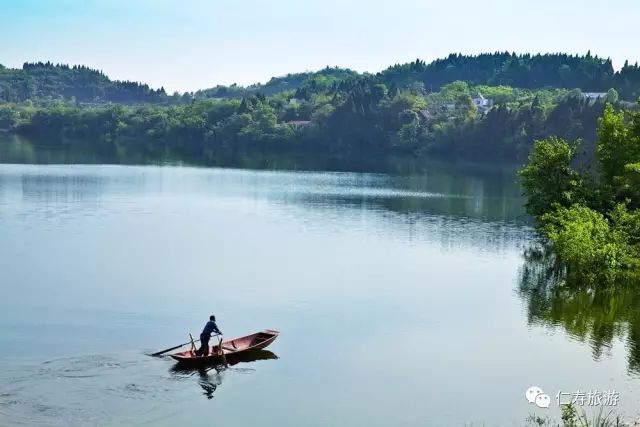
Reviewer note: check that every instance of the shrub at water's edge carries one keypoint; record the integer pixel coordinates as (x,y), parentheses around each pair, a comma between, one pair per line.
(592,219)
(594,250)
(571,417)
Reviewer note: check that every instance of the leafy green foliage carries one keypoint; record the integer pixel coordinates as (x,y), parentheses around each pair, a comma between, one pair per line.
(628,223)
(615,145)
(619,154)
(549,179)
(583,240)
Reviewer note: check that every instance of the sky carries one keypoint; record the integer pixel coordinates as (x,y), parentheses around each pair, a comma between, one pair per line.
(187,45)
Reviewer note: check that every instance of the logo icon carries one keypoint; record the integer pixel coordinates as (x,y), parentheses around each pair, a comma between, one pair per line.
(535,394)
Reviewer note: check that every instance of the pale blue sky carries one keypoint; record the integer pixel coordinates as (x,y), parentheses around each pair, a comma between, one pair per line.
(191,44)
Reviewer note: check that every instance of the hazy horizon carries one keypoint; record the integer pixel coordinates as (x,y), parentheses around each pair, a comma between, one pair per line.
(200,44)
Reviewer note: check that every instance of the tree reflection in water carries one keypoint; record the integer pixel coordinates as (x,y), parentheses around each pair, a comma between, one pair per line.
(592,314)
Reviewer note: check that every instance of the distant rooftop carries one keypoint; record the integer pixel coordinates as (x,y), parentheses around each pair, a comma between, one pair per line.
(298,122)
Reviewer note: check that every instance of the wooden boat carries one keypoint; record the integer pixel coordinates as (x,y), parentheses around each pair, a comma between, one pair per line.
(230,348)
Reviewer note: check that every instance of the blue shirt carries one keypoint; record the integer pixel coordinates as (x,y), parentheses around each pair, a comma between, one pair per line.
(210,327)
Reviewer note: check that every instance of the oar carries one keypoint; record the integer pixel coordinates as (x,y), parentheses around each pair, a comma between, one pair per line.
(160,353)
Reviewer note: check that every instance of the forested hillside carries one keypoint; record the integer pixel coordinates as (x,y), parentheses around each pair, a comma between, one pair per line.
(309,82)
(49,82)
(588,73)
(489,106)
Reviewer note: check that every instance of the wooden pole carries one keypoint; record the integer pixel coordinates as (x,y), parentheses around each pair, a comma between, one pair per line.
(193,344)
(224,358)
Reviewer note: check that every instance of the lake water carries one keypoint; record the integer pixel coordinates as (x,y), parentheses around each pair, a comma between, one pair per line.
(402,299)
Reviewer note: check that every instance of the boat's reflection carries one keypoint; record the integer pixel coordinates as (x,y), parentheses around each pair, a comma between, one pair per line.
(210,375)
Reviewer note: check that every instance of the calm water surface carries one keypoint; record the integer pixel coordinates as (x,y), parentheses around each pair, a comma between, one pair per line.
(402,300)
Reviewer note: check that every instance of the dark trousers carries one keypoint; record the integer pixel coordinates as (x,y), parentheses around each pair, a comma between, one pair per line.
(204,345)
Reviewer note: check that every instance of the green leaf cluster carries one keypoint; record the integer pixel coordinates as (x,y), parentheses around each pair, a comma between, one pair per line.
(595,251)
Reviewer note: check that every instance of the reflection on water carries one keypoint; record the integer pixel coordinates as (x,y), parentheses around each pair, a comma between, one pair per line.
(593,314)
(208,382)
(209,377)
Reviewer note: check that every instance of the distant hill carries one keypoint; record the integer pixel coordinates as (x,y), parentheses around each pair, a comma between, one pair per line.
(47,81)
(588,73)
(312,81)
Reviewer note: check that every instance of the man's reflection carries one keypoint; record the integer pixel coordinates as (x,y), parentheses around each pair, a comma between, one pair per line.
(210,377)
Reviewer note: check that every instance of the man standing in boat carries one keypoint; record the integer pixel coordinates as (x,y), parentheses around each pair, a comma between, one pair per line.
(209,328)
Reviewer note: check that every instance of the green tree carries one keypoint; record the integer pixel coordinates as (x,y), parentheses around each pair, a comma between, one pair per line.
(548,178)
(618,145)
(8,117)
(583,239)
(612,96)
(627,222)
(379,92)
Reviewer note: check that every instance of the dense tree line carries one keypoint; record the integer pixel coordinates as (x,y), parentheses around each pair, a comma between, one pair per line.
(358,116)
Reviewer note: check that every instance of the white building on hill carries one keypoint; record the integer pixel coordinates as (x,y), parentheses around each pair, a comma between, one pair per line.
(592,96)
(482,104)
